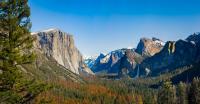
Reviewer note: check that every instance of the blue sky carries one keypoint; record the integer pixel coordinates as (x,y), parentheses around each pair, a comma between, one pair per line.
(106,25)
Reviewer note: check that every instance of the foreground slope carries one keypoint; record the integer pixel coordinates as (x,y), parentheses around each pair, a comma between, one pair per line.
(48,69)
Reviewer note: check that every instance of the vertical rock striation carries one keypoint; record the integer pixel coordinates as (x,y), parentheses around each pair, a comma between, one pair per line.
(60,46)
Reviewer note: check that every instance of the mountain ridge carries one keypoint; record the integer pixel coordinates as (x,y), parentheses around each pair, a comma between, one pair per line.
(155,57)
(112,60)
(175,54)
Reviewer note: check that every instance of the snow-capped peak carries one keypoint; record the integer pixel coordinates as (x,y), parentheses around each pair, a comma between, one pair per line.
(158,41)
(90,57)
(105,59)
(90,60)
(129,47)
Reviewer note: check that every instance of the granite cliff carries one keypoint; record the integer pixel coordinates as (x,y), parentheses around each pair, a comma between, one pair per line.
(149,47)
(60,46)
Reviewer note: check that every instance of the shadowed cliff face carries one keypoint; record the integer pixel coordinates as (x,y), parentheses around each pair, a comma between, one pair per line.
(108,63)
(128,63)
(60,46)
(195,39)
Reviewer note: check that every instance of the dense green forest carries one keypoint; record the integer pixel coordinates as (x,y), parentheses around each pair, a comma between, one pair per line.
(17,88)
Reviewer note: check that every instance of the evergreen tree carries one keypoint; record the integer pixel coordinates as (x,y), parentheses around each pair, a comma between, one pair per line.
(15,45)
(167,93)
(194,94)
(139,99)
(182,97)
(15,38)
(149,98)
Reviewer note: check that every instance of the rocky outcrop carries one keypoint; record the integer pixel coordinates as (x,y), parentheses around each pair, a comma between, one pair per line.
(175,54)
(149,47)
(128,63)
(60,46)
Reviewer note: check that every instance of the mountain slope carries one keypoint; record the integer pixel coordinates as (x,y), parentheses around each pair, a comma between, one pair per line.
(48,69)
(187,75)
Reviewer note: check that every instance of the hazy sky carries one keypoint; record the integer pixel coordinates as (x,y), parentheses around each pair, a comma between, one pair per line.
(105,25)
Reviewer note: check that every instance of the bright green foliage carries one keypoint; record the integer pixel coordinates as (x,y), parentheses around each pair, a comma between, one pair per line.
(182,97)
(194,94)
(167,94)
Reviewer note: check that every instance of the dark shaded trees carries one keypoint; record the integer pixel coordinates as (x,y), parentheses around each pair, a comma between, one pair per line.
(167,93)
(182,94)
(194,93)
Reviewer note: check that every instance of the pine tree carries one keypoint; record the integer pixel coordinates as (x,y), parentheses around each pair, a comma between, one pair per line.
(167,94)
(15,38)
(182,97)
(139,99)
(194,93)
(15,45)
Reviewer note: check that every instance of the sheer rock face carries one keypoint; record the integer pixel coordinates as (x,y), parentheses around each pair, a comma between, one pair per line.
(149,47)
(60,46)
